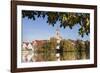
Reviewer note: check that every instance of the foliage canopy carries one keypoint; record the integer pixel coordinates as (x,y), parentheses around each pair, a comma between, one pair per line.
(66,19)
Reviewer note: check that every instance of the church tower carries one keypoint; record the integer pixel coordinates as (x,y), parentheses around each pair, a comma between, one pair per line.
(58,37)
(58,49)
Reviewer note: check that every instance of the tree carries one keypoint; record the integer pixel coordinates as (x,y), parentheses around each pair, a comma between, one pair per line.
(87,49)
(66,19)
(49,50)
(80,48)
(68,49)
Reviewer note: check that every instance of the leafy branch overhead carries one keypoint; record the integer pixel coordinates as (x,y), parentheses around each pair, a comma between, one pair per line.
(66,19)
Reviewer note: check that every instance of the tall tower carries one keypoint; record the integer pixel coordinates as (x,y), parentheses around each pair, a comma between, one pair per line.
(58,49)
(58,37)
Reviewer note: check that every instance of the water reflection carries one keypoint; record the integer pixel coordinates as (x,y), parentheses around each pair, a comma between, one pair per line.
(50,55)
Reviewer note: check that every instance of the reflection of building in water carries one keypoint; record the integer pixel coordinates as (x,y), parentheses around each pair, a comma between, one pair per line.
(29,50)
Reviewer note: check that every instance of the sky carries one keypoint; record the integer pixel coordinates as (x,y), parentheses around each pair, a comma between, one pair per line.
(39,29)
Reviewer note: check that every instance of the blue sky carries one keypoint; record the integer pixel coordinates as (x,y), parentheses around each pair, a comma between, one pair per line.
(41,30)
